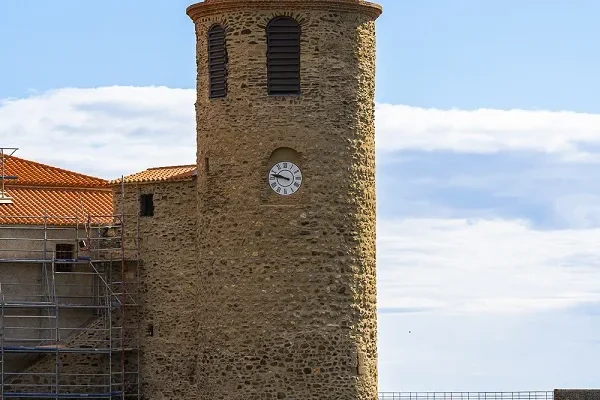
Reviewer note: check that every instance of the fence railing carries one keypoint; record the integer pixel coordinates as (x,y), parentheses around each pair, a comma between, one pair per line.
(533,395)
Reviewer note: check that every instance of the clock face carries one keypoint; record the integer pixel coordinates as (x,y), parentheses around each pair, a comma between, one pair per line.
(285,178)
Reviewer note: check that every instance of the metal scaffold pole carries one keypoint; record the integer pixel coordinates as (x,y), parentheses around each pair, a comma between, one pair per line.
(5,152)
(123,299)
(138,324)
(2,343)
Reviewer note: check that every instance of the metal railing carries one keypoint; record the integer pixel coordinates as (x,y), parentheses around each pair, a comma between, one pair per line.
(531,395)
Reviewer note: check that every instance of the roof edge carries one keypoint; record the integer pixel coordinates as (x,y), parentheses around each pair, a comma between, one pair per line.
(103,188)
(103,182)
(173,166)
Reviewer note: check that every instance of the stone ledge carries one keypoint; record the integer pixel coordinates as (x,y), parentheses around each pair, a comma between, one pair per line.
(211,7)
(577,394)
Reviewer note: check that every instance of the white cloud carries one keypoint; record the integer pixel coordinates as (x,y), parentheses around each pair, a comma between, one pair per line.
(474,266)
(454,265)
(113,130)
(106,131)
(578,210)
(563,133)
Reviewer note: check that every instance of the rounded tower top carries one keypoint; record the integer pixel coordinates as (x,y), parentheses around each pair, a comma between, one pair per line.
(209,7)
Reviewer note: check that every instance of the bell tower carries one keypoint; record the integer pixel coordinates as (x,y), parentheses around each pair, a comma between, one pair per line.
(286,305)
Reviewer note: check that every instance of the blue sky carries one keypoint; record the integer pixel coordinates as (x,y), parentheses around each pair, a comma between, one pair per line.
(460,53)
(488,135)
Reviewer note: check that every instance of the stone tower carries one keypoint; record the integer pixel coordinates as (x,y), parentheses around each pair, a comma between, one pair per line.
(286,304)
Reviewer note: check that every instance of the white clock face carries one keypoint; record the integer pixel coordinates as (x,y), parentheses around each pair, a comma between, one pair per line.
(285,178)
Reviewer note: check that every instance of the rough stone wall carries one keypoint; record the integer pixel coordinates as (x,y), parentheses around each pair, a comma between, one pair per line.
(288,291)
(168,291)
(577,394)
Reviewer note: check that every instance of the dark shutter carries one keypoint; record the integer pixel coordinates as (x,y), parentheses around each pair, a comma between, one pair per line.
(217,62)
(283,56)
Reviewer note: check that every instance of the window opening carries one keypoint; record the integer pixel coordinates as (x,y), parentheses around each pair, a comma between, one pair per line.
(147,205)
(64,252)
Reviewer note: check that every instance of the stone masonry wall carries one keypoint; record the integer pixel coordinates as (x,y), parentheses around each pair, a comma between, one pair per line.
(168,291)
(288,293)
(576,394)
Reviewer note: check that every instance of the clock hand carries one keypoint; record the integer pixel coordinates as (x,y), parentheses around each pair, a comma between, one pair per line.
(280,176)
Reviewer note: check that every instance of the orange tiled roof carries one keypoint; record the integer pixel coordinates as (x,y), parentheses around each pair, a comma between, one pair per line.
(34,173)
(44,190)
(161,174)
(62,206)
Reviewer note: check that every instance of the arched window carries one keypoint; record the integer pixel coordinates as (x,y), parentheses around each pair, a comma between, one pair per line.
(217,62)
(283,56)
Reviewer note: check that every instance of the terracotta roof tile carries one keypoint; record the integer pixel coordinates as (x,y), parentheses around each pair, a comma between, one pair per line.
(161,174)
(44,190)
(53,202)
(31,173)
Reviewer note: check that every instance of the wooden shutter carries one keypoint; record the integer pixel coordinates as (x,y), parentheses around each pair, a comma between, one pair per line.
(217,62)
(283,56)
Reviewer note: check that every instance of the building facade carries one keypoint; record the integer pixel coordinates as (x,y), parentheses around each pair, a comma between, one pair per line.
(288,279)
(280,301)
(259,262)
(165,200)
(56,301)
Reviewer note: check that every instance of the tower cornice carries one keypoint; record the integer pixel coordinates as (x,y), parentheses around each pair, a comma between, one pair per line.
(211,7)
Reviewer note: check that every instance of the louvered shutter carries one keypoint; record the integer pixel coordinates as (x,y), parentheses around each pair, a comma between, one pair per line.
(217,62)
(283,56)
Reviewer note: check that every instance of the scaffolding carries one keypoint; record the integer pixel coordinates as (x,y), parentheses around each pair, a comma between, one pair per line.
(5,152)
(69,325)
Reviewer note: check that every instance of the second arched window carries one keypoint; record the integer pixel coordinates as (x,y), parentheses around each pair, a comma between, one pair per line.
(283,56)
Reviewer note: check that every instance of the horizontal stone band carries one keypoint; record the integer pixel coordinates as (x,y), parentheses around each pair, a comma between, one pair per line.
(211,7)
